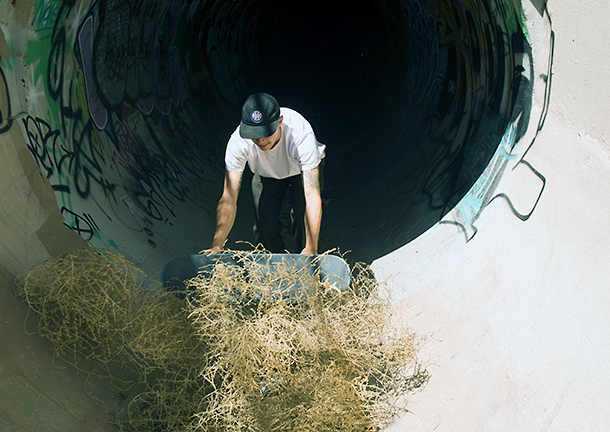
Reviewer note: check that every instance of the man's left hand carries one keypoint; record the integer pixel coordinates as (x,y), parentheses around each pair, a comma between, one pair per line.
(308,251)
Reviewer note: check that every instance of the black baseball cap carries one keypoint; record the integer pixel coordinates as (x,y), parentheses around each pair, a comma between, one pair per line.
(260,116)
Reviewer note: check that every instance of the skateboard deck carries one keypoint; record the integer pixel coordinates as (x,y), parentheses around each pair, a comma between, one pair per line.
(324,268)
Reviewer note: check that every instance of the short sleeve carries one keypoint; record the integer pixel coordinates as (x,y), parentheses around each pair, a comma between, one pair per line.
(308,154)
(235,156)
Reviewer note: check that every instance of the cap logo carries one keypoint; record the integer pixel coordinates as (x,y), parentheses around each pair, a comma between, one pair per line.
(256,116)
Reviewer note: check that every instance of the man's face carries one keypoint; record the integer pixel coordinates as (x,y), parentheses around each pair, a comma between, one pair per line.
(271,141)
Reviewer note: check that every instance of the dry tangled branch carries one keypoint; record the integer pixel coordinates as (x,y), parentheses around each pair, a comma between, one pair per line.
(235,355)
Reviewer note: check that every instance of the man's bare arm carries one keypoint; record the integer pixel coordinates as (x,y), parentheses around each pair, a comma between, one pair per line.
(313,210)
(226,209)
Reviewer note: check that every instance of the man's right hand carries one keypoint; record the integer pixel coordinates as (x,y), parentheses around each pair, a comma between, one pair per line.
(226,210)
(212,250)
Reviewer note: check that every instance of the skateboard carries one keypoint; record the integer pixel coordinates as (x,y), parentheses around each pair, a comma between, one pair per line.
(331,269)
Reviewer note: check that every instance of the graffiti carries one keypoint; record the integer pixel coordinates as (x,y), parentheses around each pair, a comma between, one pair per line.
(46,13)
(489,101)
(42,143)
(84,161)
(150,233)
(112,126)
(430,75)
(548,79)
(149,197)
(473,203)
(5,105)
(54,156)
(480,196)
(136,62)
(98,112)
(477,114)
(83,225)
(105,110)
(159,183)
(474,160)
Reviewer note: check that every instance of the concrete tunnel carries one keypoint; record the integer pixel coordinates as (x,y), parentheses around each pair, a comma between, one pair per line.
(113,122)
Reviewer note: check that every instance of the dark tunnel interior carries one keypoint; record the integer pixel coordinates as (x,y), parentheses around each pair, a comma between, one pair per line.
(411,98)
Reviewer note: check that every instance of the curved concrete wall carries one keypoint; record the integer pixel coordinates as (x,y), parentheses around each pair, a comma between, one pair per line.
(127,109)
(114,117)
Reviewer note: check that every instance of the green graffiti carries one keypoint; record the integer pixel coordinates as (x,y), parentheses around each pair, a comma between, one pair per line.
(523,21)
(66,198)
(37,55)
(506,13)
(113,244)
(46,16)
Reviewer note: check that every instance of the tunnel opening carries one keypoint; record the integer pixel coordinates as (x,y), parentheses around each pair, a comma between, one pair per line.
(411,97)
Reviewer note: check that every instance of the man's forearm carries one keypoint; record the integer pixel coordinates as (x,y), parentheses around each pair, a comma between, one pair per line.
(313,220)
(226,209)
(225,218)
(313,210)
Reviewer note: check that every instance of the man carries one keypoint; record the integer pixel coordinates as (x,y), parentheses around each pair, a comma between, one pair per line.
(280,148)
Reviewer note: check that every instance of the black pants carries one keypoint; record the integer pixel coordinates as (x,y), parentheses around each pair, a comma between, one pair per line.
(268,194)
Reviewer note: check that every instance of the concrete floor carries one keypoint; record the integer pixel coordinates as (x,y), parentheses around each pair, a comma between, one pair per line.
(518,316)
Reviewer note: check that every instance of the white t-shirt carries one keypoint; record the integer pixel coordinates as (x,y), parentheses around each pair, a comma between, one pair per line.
(297,150)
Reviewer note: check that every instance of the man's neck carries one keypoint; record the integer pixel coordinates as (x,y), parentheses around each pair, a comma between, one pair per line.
(278,139)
